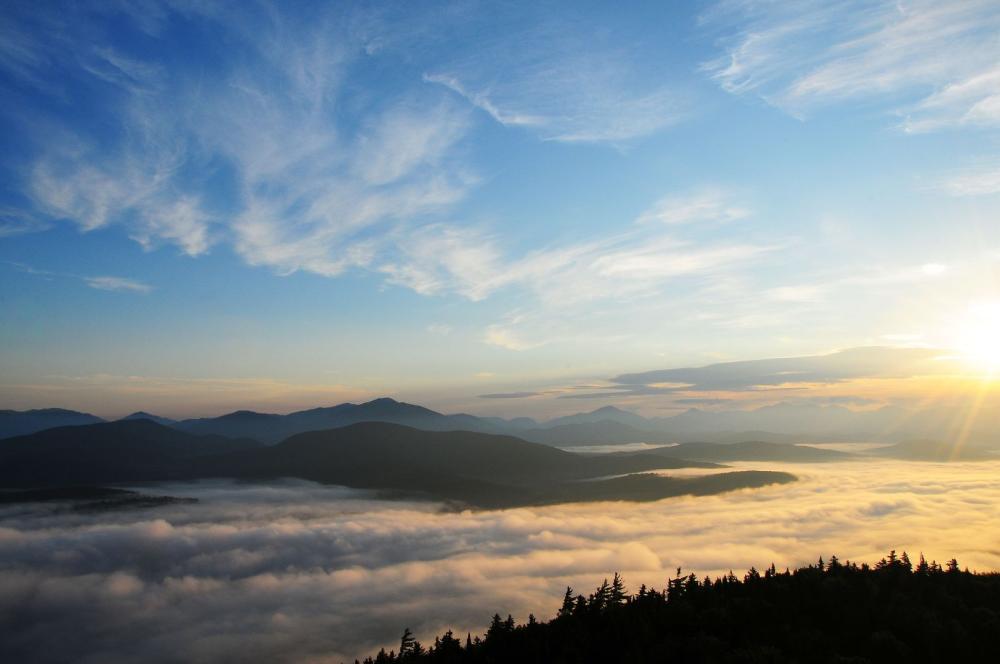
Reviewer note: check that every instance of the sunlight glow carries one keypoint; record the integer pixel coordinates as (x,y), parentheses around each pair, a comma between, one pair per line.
(979,337)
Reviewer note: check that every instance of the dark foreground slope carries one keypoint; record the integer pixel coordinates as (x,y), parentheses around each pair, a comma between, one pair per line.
(831,613)
(484,470)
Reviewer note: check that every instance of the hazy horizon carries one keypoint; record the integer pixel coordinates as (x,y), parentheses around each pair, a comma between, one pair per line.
(861,379)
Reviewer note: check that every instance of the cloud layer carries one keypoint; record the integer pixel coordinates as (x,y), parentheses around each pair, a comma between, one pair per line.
(294,571)
(851,364)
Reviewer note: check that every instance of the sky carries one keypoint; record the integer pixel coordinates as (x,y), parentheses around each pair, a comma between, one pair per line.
(207,206)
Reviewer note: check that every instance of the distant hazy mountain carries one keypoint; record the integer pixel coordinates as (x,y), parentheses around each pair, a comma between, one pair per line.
(749,451)
(808,420)
(264,427)
(599,432)
(802,421)
(605,414)
(122,451)
(273,428)
(797,422)
(21,422)
(933,450)
(142,415)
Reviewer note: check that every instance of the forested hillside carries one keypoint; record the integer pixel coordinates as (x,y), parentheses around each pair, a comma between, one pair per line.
(896,611)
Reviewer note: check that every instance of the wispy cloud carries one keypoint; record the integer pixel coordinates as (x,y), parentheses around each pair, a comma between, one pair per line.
(310,191)
(104,282)
(120,284)
(712,205)
(511,395)
(321,180)
(17,222)
(633,263)
(569,114)
(983,182)
(562,84)
(505,336)
(934,63)
(482,101)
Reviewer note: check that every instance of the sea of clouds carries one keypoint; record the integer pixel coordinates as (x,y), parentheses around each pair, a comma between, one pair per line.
(294,571)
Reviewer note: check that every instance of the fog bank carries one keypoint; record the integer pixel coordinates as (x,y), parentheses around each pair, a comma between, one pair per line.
(299,572)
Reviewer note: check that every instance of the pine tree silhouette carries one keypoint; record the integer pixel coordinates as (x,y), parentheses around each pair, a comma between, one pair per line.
(618,592)
(567,604)
(833,612)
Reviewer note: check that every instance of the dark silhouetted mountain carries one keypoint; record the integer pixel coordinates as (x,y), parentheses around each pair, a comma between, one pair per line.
(265,427)
(894,611)
(142,415)
(600,432)
(466,422)
(749,451)
(23,422)
(933,450)
(122,451)
(343,455)
(470,468)
(480,469)
(273,428)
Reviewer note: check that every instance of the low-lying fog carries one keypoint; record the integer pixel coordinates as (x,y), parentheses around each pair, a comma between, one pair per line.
(295,571)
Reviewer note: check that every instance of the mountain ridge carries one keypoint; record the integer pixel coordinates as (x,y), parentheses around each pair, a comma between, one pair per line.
(466,468)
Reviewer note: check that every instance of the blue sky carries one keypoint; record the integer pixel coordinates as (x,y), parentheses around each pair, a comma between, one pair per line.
(215,205)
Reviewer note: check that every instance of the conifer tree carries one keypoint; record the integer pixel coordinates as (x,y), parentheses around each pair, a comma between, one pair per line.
(618,592)
(567,603)
(406,643)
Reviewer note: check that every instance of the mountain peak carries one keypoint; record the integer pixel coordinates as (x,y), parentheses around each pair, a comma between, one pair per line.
(611,409)
(143,415)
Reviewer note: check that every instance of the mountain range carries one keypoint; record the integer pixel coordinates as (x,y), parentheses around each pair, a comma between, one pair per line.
(466,468)
(779,423)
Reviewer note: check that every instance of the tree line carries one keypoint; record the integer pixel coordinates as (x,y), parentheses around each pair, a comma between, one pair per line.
(831,611)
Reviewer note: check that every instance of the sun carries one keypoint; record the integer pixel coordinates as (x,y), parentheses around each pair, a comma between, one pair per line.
(978,339)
